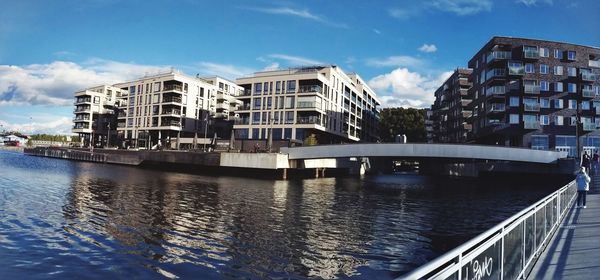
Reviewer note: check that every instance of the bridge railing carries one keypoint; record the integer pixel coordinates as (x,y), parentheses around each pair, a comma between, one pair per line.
(506,251)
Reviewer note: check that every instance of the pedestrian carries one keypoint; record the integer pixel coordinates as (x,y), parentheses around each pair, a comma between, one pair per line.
(256,147)
(585,161)
(583,186)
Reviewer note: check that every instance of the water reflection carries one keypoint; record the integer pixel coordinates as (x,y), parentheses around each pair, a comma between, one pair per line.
(129,222)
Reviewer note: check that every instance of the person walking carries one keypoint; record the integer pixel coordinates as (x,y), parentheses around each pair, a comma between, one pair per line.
(585,161)
(583,186)
(595,159)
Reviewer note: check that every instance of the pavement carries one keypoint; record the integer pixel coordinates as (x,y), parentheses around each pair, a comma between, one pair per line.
(574,251)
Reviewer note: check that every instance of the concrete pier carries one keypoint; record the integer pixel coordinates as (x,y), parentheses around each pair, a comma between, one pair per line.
(574,251)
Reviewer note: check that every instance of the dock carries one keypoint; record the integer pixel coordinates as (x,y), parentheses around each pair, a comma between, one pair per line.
(574,251)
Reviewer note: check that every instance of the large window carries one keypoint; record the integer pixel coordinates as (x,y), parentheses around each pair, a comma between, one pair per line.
(291,86)
(513,118)
(255,118)
(156,86)
(543,69)
(514,101)
(566,143)
(258,88)
(585,105)
(257,103)
(539,142)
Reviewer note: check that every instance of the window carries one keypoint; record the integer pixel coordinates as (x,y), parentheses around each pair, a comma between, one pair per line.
(291,86)
(265,118)
(597,90)
(156,98)
(544,52)
(572,104)
(558,120)
(96,99)
(572,71)
(156,87)
(256,118)
(585,105)
(289,118)
(544,103)
(571,55)
(289,102)
(573,120)
(132,89)
(558,70)
(529,68)
(558,87)
(514,118)
(558,103)
(543,69)
(539,142)
(568,142)
(515,68)
(544,120)
(266,87)
(256,103)
(572,88)
(514,101)
(558,54)
(258,88)
(544,86)
(278,86)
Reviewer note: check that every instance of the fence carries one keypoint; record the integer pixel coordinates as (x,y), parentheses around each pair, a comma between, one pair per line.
(507,250)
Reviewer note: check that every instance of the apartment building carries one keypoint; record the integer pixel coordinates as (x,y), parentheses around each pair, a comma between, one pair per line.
(318,104)
(95,114)
(450,109)
(173,108)
(529,93)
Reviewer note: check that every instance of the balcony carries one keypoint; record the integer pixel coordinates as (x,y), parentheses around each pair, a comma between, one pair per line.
(247,92)
(310,89)
(496,108)
(498,55)
(82,101)
(171,123)
(173,88)
(81,118)
(171,112)
(82,109)
(588,76)
(498,91)
(531,54)
(532,107)
(495,73)
(589,126)
(309,120)
(533,89)
(172,99)
(308,104)
(588,93)
(594,63)
(531,125)
(81,126)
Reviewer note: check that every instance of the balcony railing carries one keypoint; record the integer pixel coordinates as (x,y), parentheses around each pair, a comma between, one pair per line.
(173,99)
(81,126)
(309,120)
(594,63)
(532,107)
(531,125)
(587,92)
(308,104)
(82,100)
(588,77)
(86,118)
(171,112)
(81,109)
(170,123)
(499,55)
(173,88)
(496,107)
(495,73)
(535,89)
(310,88)
(589,126)
(531,54)
(496,90)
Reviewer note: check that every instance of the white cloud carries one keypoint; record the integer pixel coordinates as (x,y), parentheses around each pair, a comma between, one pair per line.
(225,70)
(296,60)
(60,125)
(271,67)
(428,48)
(377,31)
(301,13)
(404,88)
(457,7)
(535,2)
(462,7)
(54,83)
(394,61)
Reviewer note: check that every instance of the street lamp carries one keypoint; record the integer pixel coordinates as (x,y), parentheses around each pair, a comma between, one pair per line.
(108,137)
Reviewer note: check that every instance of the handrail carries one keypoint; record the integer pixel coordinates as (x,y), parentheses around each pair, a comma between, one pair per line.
(464,258)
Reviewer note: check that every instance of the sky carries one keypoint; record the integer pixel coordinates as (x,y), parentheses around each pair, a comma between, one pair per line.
(403,49)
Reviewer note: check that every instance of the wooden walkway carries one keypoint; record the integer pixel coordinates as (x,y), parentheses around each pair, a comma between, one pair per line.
(574,252)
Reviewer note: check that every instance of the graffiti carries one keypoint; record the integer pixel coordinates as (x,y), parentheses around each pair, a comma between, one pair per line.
(483,269)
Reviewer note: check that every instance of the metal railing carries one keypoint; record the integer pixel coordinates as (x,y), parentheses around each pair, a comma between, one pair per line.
(507,250)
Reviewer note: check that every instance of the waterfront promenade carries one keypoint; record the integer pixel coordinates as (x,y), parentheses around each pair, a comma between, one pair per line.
(574,252)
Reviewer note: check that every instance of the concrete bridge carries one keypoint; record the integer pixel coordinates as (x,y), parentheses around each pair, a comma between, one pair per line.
(449,151)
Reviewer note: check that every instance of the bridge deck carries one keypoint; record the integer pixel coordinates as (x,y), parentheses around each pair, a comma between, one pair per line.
(574,252)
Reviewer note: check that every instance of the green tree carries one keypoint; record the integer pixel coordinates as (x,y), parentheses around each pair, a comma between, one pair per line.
(409,121)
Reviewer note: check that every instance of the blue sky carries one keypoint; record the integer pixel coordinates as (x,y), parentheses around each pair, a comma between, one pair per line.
(404,49)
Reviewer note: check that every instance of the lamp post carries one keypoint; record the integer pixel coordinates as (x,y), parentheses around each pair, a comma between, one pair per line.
(205,130)
(108,137)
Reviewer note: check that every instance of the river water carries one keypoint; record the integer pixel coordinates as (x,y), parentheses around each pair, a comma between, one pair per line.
(77,220)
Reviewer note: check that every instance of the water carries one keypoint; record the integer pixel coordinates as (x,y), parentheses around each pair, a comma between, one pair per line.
(74,220)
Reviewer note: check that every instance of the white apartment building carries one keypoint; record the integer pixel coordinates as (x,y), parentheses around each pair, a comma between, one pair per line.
(224,103)
(318,103)
(170,107)
(95,113)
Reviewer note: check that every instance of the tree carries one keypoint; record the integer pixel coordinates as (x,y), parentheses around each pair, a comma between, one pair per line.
(409,121)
